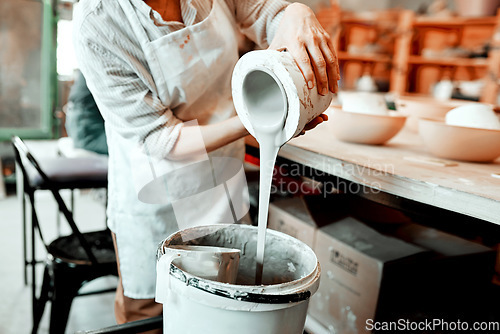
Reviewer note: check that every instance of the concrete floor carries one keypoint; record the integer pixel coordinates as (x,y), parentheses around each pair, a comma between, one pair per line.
(87,312)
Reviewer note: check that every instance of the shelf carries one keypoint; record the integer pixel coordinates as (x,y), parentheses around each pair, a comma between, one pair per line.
(359,21)
(368,19)
(465,62)
(454,22)
(374,57)
(376,18)
(404,65)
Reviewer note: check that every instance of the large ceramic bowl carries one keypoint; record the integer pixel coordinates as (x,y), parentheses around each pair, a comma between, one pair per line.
(458,142)
(365,128)
(416,107)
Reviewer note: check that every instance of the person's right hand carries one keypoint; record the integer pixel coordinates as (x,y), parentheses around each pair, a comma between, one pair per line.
(302,35)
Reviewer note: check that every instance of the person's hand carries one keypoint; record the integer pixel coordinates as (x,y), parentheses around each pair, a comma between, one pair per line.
(302,35)
(314,123)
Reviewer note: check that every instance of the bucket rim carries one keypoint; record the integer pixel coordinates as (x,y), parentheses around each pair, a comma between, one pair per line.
(282,293)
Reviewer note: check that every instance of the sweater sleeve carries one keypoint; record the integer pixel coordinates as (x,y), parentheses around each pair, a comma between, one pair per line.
(259,19)
(127,103)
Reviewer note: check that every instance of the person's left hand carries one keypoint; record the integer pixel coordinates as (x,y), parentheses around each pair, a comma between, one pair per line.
(302,35)
(314,123)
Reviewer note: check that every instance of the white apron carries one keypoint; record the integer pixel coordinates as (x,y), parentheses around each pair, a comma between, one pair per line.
(192,70)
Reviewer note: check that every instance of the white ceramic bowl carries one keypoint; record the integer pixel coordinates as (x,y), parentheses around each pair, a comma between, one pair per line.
(416,107)
(458,142)
(365,128)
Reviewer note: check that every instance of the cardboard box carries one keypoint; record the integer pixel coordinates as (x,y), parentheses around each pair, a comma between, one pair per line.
(292,217)
(355,260)
(457,267)
(299,217)
(443,244)
(397,269)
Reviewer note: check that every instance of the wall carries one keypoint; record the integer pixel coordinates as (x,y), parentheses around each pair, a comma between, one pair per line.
(20,35)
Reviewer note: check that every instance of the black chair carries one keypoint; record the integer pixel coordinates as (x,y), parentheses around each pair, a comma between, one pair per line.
(66,173)
(72,260)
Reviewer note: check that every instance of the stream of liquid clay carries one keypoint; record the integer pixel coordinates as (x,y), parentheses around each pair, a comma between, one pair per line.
(268,153)
(268,108)
(268,131)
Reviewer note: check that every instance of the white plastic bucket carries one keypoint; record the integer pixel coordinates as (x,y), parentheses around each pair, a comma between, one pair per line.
(196,305)
(214,263)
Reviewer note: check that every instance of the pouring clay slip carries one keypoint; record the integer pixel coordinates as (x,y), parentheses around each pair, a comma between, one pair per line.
(273,101)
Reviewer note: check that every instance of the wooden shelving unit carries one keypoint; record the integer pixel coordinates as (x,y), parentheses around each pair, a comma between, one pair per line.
(352,33)
(404,61)
(454,22)
(414,72)
(446,61)
(346,56)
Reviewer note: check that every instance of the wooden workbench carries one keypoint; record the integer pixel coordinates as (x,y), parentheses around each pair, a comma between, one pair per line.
(467,188)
